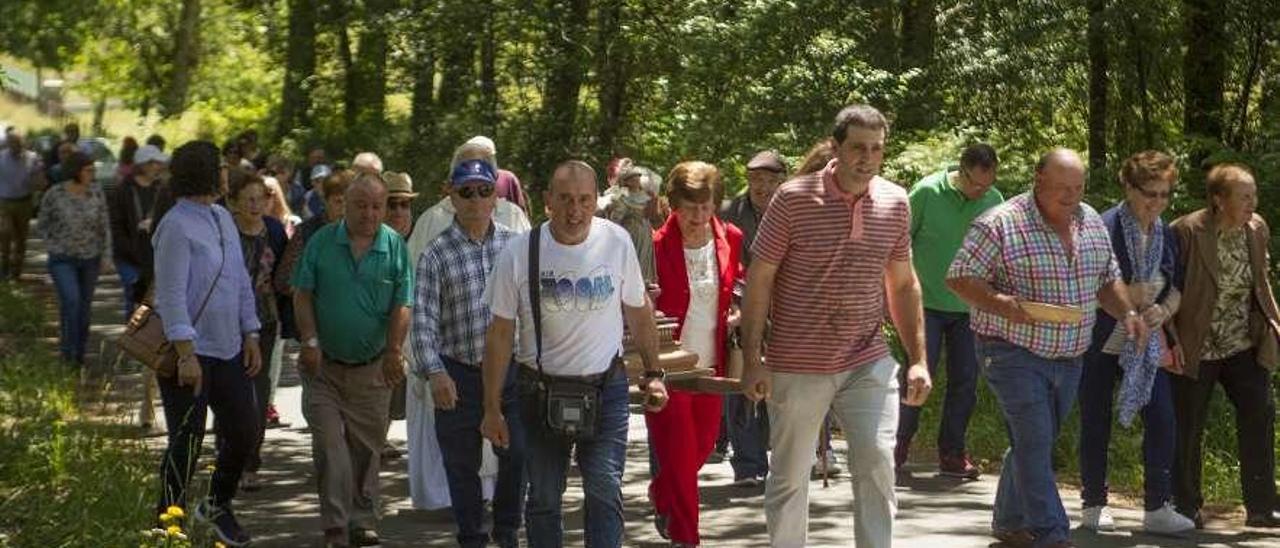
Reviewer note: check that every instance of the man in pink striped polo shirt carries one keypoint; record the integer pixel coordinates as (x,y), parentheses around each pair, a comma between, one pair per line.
(832,256)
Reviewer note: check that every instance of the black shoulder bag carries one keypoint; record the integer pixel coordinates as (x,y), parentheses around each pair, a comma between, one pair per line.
(569,408)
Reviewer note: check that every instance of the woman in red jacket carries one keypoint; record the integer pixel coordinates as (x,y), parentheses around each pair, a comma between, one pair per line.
(697,258)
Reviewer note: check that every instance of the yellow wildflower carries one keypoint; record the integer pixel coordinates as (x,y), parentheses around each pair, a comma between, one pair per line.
(173,530)
(219,545)
(175,511)
(166,517)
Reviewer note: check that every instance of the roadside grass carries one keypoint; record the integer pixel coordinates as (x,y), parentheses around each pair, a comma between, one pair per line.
(66,478)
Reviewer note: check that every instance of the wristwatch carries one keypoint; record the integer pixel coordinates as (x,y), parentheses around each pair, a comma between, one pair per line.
(313,342)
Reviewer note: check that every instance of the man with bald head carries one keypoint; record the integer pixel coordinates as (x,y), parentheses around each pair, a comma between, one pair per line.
(1043,246)
(571,336)
(353,289)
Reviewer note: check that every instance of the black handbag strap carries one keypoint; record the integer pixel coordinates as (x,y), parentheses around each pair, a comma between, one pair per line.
(222,245)
(535,298)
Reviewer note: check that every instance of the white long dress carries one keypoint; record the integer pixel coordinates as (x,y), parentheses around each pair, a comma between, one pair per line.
(428,486)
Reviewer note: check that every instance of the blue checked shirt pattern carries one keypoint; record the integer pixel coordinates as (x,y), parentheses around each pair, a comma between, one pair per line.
(450,316)
(1015,250)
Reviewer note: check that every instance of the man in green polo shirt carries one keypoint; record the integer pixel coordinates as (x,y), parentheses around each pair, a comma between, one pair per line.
(353,289)
(942,206)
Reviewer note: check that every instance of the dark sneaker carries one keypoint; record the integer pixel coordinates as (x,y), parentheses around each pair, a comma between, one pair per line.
(716,457)
(1020,538)
(958,466)
(660,522)
(223,522)
(1269,520)
(364,537)
(749,481)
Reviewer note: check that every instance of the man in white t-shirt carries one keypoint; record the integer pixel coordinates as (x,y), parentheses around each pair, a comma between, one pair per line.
(589,281)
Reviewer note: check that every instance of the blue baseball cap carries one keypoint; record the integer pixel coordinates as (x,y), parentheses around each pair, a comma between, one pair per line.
(473,170)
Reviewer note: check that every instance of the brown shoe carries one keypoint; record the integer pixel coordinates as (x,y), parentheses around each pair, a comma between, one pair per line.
(958,466)
(1020,538)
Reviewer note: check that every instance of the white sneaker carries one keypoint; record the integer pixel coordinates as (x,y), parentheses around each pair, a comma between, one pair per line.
(1167,521)
(1098,518)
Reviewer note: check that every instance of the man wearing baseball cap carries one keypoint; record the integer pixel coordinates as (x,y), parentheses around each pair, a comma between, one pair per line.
(450,318)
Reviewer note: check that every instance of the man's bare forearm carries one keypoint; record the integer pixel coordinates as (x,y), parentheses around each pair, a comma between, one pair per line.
(398,329)
(907,312)
(304,314)
(497,358)
(1114,299)
(755,310)
(644,330)
(975,292)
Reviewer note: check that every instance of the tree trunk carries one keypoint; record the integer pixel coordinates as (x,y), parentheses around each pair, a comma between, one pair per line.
(420,151)
(371,70)
(565,46)
(1203,67)
(457,71)
(490,109)
(882,45)
(919,31)
(1139,52)
(186,56)
(300,65)
(1257,58)
(349,76)
(612,63)
(1097,40)
(99,112)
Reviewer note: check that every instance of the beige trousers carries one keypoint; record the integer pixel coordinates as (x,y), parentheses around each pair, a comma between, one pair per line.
(865,401)
(347,411)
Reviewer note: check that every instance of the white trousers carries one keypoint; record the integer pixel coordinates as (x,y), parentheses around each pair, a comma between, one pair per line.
(865,401)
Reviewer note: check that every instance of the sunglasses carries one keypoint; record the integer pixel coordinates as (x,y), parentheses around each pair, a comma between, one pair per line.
(1150,195)
(469,192)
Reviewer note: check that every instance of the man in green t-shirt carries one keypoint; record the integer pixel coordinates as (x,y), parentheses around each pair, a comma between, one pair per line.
(353,289)
(942,206)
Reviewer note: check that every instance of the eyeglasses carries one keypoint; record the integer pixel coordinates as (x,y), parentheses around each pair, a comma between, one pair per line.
(469,192)
(1150,195)
(399,204)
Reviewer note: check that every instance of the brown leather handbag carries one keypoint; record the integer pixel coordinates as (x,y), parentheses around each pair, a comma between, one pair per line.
(143,338)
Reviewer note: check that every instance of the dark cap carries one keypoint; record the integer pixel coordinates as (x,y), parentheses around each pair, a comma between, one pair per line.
(767,160)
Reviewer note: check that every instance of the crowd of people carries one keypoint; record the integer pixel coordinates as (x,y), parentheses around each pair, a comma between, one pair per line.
(500,341)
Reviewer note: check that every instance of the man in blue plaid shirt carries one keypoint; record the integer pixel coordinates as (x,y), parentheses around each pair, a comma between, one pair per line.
(450,318)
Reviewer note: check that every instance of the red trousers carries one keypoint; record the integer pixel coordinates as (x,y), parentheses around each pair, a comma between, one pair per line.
(682,436)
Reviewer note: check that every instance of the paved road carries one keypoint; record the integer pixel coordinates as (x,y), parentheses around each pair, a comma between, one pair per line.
(934,512)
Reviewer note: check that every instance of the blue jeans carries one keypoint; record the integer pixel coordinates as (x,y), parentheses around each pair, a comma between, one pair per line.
(749,437)
(128,277)
(600,461)
(1097,390)
(74,281)
(962,381)
(458,431)
(1035,396)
